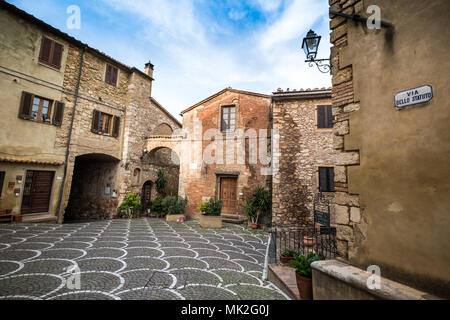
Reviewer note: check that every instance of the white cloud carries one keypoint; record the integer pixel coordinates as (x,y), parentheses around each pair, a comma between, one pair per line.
(191,64)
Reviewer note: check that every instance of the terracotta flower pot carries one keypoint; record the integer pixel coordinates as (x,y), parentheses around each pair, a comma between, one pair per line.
(286,260)
(254,225)
(308,241)
(304,286)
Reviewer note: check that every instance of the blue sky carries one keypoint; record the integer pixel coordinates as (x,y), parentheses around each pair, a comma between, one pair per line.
(199,47)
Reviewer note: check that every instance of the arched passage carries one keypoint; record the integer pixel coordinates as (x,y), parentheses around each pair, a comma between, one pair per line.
(93,193)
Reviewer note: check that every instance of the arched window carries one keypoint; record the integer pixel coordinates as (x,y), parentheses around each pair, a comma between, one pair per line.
(137,175)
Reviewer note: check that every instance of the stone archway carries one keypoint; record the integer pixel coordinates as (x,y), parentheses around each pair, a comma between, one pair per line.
(93,192)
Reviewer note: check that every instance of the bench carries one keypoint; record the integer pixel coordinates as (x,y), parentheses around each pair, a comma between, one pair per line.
(6,215)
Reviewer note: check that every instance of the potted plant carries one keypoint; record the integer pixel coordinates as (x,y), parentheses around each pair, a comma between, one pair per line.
(157,207)
(257,205)
(173,208)
(303,273)
(287,256)
(211,214)
(129,207)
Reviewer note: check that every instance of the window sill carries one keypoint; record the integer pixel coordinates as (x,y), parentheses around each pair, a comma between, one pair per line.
(105,135)
(112,85)
(40,122)
(49,66)
(324,130)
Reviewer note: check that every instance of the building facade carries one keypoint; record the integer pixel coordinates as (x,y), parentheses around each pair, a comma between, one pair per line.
(220,153)
(392,163)
(74,126)
(304,122)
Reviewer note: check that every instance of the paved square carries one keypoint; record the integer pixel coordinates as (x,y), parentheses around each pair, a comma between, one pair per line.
(133,259)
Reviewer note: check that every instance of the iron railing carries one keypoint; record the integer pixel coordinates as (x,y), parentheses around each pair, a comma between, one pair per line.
(320,240)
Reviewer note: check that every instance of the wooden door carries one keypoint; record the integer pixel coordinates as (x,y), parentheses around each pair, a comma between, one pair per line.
(37,191)
(146,195)
(228,195)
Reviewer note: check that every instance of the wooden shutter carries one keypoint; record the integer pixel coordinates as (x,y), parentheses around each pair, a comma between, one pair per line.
(330,179)
(323,179)
(57,55)
(116,128)
(108,74)
(25,105)
(321,115)
(95,121)
(58,113)
(329,117)
(114,76)
(46,48)
(2,177)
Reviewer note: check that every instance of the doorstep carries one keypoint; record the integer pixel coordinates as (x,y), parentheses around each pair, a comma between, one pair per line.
(39,218)
(284,278)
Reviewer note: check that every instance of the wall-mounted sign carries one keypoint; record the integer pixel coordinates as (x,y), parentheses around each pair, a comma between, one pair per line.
(322,218)
(413,96)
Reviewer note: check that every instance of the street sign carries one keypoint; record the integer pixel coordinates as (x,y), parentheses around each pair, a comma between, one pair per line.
(413,96)
(322,218)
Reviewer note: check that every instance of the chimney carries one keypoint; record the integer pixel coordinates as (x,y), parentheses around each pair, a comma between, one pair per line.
(149,67)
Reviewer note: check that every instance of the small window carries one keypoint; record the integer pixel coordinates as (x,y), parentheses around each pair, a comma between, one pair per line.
(324,117)
(111,75)
(103,123)
(2,178)
(40,109)
(326,179)
(51,53)
(228,121)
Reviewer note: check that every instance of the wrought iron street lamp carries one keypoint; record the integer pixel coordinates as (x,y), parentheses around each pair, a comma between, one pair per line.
(311,46)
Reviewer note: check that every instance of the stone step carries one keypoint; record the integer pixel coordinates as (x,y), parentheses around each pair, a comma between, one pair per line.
(234,218)
(39,219)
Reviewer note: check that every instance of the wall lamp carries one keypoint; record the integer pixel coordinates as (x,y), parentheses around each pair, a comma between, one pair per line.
(311,46)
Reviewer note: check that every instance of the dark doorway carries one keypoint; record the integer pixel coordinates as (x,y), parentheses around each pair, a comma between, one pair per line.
(37,191)
(92,196)
(146,196)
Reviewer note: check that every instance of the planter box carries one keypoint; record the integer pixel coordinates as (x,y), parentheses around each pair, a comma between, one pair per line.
(212,222)
(175,217)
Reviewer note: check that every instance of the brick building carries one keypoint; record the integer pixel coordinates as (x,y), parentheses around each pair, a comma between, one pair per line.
(304,122)
(74,125)
(215,153)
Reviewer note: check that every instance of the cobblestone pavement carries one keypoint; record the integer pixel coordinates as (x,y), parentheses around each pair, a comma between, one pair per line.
(133,259)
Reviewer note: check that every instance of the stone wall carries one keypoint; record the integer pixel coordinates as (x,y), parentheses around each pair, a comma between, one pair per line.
(302,149)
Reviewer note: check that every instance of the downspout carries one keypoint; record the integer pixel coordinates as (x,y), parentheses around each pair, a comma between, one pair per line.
(69,138)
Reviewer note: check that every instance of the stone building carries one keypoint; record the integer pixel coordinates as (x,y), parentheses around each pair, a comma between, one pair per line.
(74,125)
(220,154)
(305,160)
(392,204)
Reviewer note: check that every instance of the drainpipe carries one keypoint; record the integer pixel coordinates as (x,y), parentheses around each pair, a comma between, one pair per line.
(77,89)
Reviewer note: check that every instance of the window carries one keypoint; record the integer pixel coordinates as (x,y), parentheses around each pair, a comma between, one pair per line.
(106,124)
(324,117)
(39,109)
(111,75)
(2,178)
(326,179)
(228,121)
(51,53)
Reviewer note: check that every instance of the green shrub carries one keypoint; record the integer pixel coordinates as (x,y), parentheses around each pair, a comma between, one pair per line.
(160,182)
(129,206)
(302,263)
(212,208)
(174,205)
(157,205)
(288,253)
(258,204)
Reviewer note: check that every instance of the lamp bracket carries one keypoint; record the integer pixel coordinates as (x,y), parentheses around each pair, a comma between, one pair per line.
(321,65)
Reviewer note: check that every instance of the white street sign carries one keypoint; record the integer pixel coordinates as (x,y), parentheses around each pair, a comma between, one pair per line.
(413,96)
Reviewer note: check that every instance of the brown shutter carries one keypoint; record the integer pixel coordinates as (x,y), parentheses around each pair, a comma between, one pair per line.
(331,179)
(108,74)
(321,115)
(95,121)
(323,179)
(58,113)
(329,115)
(57,55)
(46,47)
(116,128)
(114,76)
(25,105)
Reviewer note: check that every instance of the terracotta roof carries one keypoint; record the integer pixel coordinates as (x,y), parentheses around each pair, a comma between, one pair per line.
(165,111)
(302,93)
(223,91)
(32,19)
